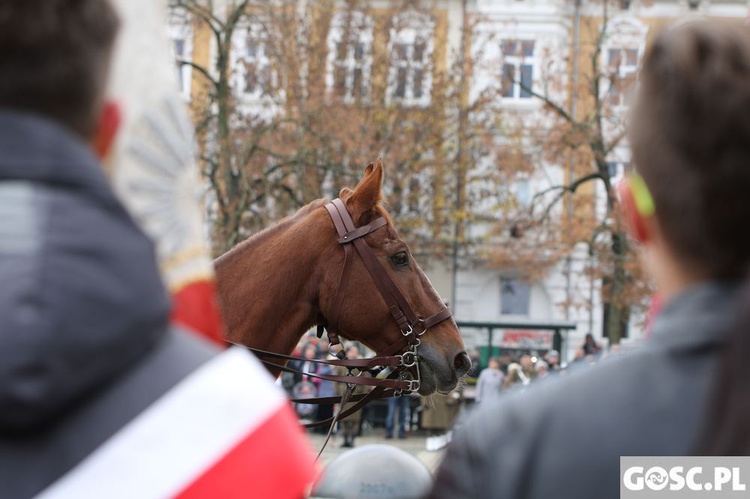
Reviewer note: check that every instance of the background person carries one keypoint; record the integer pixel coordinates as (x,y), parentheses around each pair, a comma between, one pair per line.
(553,360)
(590,346)
(490,380)
(398,417)
(349,426)
(690,137)
(520,373)
(542,369)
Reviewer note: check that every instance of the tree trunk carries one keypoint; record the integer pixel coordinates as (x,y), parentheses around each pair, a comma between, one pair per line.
(616,313)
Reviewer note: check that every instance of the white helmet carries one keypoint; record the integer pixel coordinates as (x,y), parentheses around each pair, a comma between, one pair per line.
(374,471)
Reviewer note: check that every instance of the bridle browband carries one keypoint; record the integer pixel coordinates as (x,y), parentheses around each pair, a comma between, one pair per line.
(399,358)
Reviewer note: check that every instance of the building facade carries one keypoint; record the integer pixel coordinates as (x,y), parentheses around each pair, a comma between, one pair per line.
(429,66)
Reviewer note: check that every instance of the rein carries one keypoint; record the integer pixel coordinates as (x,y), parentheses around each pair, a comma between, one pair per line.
(399,380)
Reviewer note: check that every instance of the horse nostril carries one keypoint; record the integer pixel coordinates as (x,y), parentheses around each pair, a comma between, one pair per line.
(462,363)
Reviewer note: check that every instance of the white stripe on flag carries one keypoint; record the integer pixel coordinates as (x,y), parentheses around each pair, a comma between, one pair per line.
(171,443)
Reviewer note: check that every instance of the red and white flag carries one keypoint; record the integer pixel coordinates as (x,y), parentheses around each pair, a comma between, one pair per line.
(226,431)
(153,165)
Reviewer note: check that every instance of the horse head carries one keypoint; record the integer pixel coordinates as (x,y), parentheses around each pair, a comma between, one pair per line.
(364,314)
(276,285)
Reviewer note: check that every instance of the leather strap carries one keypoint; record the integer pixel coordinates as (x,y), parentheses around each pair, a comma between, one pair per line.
(379,361)
(438,317)
(362,231)
(376,393)
(396,384)
(397,304)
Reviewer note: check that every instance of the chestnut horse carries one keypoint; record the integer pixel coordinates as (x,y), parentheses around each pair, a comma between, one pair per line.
(276,285)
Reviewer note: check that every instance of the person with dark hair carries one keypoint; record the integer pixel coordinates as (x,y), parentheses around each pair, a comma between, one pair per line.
(590,346)
(100,395)
(685,389)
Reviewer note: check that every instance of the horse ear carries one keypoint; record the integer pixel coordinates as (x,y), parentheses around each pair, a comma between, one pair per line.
(367,194)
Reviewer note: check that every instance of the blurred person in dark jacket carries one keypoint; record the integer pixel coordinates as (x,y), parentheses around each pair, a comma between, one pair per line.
(590,346)
(685,390)
(100,396)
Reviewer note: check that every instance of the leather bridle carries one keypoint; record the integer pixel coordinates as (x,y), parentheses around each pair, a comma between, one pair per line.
(410,324)
(401,357)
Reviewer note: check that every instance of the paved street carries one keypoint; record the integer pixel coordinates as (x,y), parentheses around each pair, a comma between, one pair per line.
(415,444)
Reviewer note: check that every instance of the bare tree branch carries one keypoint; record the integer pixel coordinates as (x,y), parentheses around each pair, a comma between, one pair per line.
(203,71)
(557,108)
(560,192)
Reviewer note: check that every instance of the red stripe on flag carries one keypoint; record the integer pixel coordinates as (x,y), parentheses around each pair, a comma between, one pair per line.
(275,461)
(196,307)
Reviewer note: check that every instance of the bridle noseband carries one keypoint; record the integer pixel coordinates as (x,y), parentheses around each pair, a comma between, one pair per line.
(411,325)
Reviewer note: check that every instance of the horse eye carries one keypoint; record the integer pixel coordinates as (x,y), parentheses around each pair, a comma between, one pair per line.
(400,259)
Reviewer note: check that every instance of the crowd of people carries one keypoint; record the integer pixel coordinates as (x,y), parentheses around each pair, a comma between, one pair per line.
(500,374)
(304,383)
(522,369)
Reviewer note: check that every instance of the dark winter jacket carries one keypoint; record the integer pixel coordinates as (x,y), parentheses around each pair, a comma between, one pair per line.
(85,342)
(564,436)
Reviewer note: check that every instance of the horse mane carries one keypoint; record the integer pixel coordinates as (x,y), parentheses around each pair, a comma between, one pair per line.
(273,228)
(284,223)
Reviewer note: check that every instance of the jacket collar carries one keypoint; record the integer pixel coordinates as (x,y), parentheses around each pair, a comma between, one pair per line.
(35,149)
(698,317)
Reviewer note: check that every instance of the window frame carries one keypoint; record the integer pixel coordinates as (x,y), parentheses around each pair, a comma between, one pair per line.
(407,30)
(180,30)
(240,62)
(362,27)
(518,61)
(622,33)
(622,71)
(505,280)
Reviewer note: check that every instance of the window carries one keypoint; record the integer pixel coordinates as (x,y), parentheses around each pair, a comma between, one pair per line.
(410,77)
(182,48)
(349,73)
(616,170)
(523,192)
(257,65)
(514,296)
(255,76)
(350,56)
(410,65)
(622,67)
(518,68)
